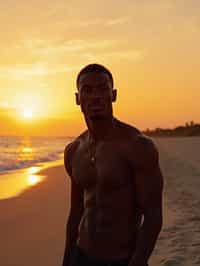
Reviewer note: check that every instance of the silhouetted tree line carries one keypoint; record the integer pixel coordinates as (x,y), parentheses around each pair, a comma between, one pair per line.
(188,130)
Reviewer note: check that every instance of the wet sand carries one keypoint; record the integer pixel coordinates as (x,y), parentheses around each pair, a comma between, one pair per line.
(32,225)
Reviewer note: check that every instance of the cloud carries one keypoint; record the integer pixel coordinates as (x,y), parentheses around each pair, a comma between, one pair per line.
(136,55)
(118,21)
(133,55)
(100,22)
(60,56)
(84,48)
(25,71)
(75,46)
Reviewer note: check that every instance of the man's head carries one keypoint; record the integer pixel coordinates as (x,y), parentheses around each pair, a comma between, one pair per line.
(95,92)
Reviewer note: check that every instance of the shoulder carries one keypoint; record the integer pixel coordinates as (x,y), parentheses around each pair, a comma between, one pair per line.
(143,142)
(143,149)
(140,146)
(70,150)
(146,152)
(72,146)
(126,130)
(136,138)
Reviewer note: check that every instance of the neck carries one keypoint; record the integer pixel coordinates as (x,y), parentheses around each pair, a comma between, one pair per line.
(101,129)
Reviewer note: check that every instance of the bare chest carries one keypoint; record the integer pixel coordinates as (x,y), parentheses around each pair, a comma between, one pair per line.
(106,167)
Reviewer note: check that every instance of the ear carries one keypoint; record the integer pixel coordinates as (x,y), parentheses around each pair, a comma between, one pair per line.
(77,98)
(114,95)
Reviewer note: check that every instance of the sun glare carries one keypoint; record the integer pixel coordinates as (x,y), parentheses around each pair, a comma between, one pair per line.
(27,113)
(33,180)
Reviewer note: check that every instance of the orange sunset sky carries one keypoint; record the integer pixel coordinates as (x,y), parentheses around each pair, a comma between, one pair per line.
(151,47)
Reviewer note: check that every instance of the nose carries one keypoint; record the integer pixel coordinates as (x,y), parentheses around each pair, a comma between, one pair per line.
(96,100)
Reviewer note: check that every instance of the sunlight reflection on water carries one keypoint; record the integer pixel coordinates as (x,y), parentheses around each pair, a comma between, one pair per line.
(15,183)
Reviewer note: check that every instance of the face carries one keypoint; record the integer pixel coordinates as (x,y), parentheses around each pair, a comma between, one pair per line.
(95,95)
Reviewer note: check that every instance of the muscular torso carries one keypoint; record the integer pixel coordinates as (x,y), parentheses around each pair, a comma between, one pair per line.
(110,220)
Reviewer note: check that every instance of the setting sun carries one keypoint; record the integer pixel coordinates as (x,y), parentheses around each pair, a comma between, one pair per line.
(27,113)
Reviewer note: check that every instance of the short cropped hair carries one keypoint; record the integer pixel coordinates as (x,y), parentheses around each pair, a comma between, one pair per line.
(94,68)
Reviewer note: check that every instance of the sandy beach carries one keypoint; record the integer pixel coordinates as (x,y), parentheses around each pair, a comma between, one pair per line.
(32,225)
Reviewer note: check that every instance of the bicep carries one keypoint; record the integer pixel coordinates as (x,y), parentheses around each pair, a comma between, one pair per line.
(149,178)
(69,153)
(149,187)
(68,159)
(76,192)
(76,199)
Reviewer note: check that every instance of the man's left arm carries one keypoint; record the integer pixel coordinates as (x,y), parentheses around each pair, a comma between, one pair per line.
(149,188)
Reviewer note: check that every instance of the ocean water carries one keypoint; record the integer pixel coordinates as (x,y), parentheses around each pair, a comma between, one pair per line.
(22,152)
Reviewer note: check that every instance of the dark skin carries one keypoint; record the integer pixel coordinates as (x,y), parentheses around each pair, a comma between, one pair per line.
(116,182)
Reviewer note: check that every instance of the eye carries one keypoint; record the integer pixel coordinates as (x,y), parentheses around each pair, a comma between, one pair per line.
(104,88)
(85,89)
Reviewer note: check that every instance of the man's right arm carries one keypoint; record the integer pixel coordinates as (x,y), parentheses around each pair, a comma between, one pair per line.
(76,206)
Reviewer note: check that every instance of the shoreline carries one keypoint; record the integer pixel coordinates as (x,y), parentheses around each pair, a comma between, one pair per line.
(14,182)
(32,225)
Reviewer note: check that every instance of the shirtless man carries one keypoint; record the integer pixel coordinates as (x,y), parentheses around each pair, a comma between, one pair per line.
(116,183)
